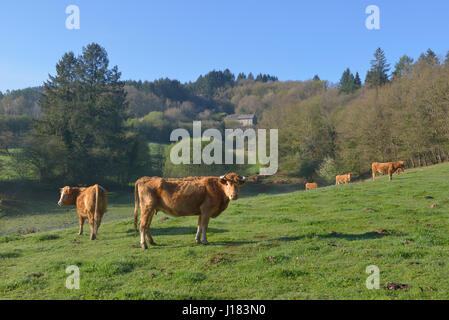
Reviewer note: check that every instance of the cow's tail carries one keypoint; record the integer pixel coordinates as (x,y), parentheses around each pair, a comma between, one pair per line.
(96,215)
(136,205)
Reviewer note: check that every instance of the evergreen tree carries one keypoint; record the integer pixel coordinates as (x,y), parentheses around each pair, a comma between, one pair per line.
(403,67)
(429,58)
(378,74)
(446,61)
(241,76)
(357,81)
(347,82)
(83,109)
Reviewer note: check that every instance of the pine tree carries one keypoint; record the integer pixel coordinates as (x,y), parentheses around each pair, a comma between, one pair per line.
(378,74)
(347,84)
(429,58)
(241,76)
(357,81)
(83,108)
(403,67)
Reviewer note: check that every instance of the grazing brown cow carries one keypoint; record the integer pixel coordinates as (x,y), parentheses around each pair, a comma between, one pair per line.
(91,203)
(206,197)
(344,178)
(387,167)
(311,185)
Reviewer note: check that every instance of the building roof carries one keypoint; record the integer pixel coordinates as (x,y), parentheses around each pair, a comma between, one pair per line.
(241,116)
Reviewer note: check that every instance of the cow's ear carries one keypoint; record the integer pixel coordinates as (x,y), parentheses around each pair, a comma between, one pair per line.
(242,180)
(222,179)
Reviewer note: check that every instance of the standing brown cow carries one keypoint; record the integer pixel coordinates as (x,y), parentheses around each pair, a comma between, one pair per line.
(344,178)
(311,185)
(206,197)
(91,203)
(387,167)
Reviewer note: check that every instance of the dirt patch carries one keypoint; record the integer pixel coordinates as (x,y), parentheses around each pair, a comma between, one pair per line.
(35,275)
(428,197)
(430,225)
(259,237)
(220,258)
(334,232)
(382,231)
(433,205)
(397,286)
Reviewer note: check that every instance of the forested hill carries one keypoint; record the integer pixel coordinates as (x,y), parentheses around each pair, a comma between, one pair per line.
(400,111)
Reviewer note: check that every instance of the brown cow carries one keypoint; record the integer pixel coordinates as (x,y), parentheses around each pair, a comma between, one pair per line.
(344,178)
(206,197)
(91,203)
(311,185)
(387,167)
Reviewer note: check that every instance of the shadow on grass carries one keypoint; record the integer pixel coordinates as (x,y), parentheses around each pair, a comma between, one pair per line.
(345,236)
(178,231)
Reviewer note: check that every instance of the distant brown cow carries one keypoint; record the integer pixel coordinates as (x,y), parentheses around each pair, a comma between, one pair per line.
(344,178)
(387,168)
(311,185)
(206,197)
(91,203)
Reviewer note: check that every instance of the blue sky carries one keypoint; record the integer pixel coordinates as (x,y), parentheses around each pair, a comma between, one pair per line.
(182,39)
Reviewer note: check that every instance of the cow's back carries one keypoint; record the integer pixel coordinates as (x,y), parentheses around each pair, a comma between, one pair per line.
(176,197)
(86,200)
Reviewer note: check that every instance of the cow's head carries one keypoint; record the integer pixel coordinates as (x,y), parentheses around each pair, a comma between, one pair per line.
(231,182)
(67,196)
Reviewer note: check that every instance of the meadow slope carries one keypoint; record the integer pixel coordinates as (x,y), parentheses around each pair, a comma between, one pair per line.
(301,245)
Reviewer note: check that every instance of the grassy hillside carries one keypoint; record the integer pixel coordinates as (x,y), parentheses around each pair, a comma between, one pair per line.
(301,245)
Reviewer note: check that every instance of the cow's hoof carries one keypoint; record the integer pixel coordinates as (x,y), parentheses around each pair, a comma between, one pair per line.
(93,237)
(205,243)
(143,246)
(153,243)
(197,241)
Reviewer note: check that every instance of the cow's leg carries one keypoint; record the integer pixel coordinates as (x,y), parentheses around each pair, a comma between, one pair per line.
(93,234)
(81,225)
(198,231)
(98,221)
(148,234)
(204,223)
(145,220)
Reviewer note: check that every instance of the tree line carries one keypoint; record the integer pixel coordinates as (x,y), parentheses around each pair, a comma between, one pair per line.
(85,124)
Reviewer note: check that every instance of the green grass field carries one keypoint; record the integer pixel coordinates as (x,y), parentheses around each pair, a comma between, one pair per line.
(299,245)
